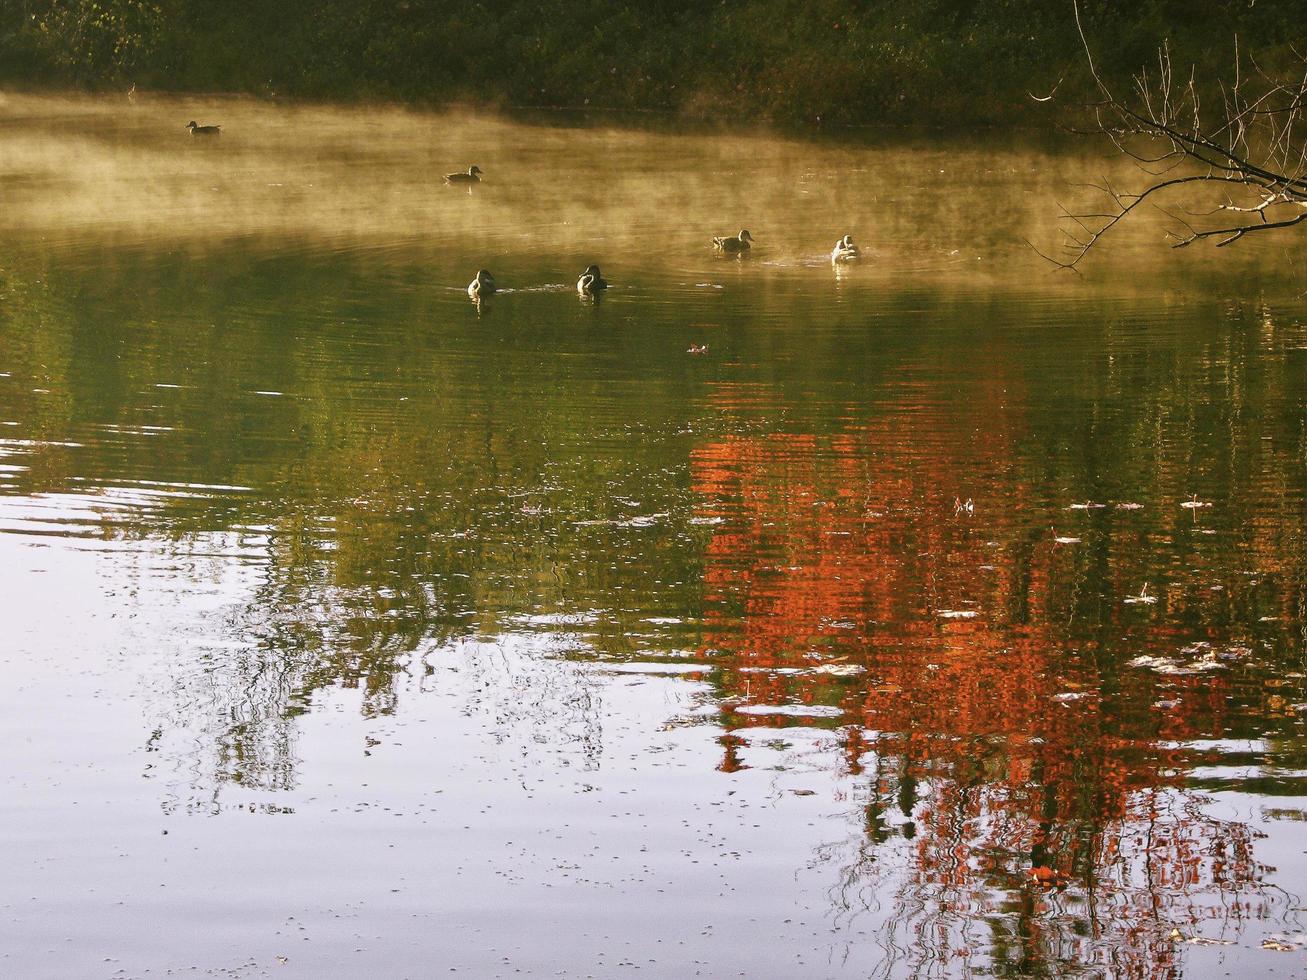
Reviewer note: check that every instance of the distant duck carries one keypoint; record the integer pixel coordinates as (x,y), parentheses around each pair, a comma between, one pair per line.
(482,285)
(844,250)
(472,176)
(198,130)
(740,243)
(591,282)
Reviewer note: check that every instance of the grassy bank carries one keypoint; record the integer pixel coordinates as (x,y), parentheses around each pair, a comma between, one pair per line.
(788,61)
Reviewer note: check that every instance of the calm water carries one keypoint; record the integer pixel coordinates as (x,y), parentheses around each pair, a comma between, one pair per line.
(943,617)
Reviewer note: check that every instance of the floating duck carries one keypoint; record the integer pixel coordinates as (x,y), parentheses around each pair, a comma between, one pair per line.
(844,250)
(482,285)
(198,130)
(740,243)
(472,176)
(591,282)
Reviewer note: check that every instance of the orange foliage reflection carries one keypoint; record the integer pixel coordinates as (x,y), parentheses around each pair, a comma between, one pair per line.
(999,743)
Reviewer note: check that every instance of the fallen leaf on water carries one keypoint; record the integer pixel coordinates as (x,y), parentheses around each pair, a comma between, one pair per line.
(1147,661)
(1278,945)
(794,710)
(1047,877)
(839,670)
(1142,597)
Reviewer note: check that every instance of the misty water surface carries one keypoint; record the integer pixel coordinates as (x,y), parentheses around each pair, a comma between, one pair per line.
(939,615)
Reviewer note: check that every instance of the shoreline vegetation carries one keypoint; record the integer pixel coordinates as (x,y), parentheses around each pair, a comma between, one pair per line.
(919,63)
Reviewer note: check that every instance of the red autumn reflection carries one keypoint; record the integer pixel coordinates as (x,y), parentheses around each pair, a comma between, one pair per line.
(984,708)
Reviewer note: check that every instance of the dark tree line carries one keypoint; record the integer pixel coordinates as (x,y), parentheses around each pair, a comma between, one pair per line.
(846,61)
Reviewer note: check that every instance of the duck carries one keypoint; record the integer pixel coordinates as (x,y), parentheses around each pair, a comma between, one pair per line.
(482,285)
(844,250)
(472,176)
(740,243)
(591,282)
(198,130)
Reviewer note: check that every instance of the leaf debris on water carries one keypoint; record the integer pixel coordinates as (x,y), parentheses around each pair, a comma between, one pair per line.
(1143,597)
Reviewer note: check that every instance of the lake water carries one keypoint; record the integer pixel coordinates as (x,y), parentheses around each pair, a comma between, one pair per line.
(939,616)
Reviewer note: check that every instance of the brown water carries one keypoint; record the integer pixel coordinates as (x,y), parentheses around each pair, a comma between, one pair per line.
(944,616)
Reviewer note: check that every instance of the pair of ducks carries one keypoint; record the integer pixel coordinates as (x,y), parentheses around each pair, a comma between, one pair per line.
(844,250)
(591,283)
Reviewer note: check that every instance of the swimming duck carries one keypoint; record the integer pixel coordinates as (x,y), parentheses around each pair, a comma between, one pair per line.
(740,243)
(198,130)
(844,250)
(591,282)
(482,285)
(472,176)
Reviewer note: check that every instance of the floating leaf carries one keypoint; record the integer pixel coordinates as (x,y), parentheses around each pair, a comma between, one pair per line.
(1142,598)
(793,710)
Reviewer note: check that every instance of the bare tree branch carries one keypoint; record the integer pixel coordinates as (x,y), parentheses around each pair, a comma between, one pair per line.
(1253,146)
(1230,235)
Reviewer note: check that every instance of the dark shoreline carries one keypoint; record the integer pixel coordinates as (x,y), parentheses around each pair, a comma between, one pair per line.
(922,64)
